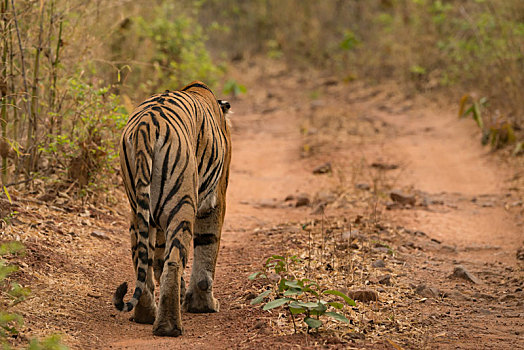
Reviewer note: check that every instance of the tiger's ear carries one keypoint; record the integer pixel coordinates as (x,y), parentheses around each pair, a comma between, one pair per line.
(224,105)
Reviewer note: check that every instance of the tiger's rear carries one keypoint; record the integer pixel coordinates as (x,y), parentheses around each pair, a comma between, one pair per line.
(175,153)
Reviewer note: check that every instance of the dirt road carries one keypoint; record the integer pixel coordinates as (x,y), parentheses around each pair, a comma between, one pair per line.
(465,213)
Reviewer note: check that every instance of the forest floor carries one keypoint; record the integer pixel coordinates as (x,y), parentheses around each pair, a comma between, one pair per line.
(457,204)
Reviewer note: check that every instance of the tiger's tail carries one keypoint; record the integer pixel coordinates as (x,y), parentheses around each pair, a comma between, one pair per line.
(143,168)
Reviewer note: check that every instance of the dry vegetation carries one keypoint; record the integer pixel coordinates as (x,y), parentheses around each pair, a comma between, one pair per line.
(70,71)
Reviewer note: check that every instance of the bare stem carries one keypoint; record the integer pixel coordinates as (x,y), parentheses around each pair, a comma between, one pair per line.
(3,89)
(22,61)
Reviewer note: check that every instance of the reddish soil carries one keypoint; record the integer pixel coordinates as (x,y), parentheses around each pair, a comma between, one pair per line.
(467,212)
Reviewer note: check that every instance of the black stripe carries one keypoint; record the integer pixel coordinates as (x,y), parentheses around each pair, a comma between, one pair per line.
(141,275)
(138,293)
(196,85)
(185,200)
(142,255)
(174,189)
(204,239)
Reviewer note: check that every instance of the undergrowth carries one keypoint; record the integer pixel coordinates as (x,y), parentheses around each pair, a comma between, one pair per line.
(298,296)
(13,294)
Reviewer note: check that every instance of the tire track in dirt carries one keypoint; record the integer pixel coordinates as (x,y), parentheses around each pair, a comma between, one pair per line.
(443,156)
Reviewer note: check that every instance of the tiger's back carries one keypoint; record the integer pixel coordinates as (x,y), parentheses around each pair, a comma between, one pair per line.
(175,153)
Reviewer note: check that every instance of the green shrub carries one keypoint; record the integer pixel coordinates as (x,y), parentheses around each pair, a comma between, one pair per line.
(298,296)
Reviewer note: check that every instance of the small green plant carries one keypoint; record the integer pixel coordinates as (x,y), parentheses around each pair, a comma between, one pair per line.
(350,41)
(497,131)
(476,106)
(299,296)
(231,87)
(14,293)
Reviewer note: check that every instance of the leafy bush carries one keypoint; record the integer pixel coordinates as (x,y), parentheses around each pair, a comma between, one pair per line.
(496,131)
(14,293)
(298,296)
(165,49)
(93,126)
(231,87)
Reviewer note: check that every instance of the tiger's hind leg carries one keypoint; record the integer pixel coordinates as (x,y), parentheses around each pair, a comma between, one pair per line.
(158,261)
(178,240)
(145,310)
(199,297)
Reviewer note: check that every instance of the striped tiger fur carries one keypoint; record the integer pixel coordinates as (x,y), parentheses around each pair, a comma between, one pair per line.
(174,153)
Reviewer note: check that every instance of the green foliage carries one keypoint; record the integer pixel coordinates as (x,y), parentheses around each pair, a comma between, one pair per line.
(298,296)
(350,41)
(95,124)
(231,87)
(496,132)
(14,294)
(173,44)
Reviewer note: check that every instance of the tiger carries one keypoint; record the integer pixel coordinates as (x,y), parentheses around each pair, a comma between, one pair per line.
(175,152)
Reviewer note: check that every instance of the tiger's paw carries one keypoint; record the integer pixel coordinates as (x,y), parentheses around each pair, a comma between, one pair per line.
(145,311)
(200,300)
(143,318)
(165,329)
(148,319)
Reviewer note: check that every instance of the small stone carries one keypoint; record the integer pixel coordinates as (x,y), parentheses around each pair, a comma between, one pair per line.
(385,280)
(427,292)
(399,197)
(289,197)
(364,295)
(461,272)
(302,200)
(99,234)
(378,263)
(362,186)
(323,169)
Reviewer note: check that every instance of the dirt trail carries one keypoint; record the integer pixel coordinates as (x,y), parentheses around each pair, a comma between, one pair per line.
(472,219)
(439,156)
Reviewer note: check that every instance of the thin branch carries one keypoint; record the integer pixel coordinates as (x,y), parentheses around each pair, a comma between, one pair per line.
(22,61)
